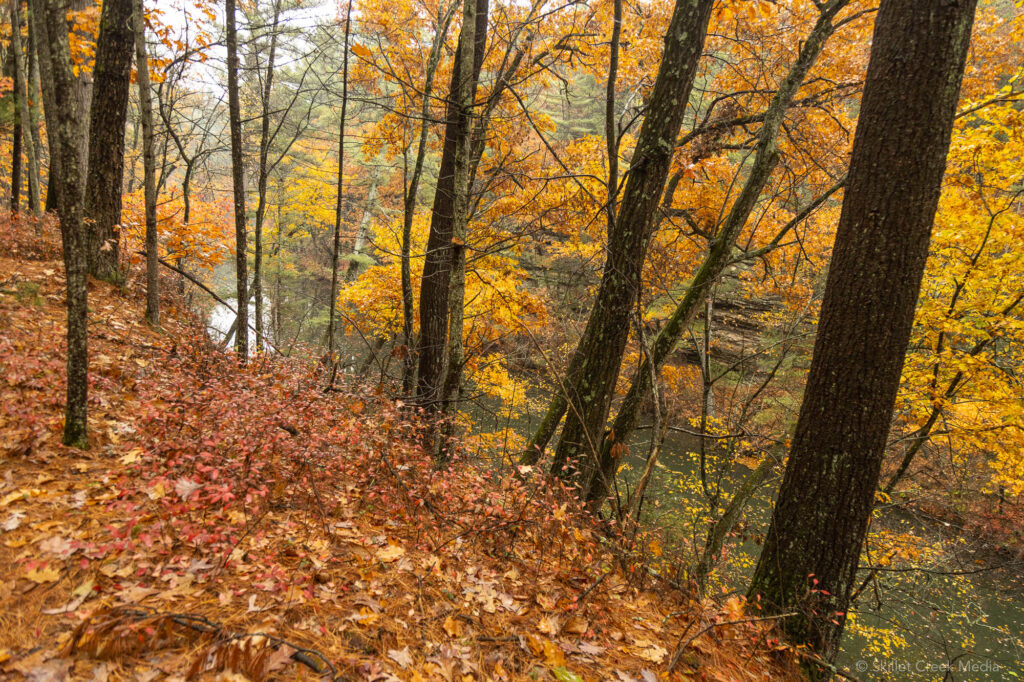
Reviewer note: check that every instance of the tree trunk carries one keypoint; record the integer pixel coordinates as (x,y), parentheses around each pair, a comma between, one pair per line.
(21,81)
(261,206)
(149,166)
(238,183)
(35,113)
(52,25)
(359,242)
(83,92)
(339,197)
(435,286)
(39,37)
(410,199)
(809,561)
(594,367)
(462,182)
(107,119)
(765,159)
(16,154)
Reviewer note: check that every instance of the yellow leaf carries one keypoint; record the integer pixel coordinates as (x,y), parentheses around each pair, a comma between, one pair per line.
(132,456)
(43,575)
(548,625)
(576,625)
(390,553)
(453,627)
(553,654)
(362,51)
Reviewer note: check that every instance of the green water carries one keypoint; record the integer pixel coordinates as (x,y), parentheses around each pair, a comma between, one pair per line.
(910,625)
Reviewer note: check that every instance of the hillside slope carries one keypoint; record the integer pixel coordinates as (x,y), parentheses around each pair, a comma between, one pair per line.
(236,523)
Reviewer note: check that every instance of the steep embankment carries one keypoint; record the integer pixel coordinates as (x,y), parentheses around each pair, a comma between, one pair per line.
(235,521)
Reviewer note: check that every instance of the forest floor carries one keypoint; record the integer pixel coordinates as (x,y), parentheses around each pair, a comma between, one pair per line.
(241,523)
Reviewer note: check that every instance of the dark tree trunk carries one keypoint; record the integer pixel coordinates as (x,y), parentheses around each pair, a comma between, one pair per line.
(53,25)
(594,367)
(16,166)
(809,561)
(339,197)
(410,201)
(238,182)
(107,118)
(435,287)
(11,70)
(149,166)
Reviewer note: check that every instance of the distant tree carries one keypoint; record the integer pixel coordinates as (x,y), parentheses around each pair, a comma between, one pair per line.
(813,547)
(107,118)
(52,17)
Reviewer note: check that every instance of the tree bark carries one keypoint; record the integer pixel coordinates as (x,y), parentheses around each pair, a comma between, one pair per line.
(410,200)
(149,166)
(475,18)
(339,197)
(717,258)
(107,119)
(11,66)
(435,286)
(261,206)
(812,549)
(595,364)
(359,241)
(52,25)
(40,40)
(238,183)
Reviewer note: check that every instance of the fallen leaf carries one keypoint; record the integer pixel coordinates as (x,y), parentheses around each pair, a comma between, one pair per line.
(576,625)
(553,654)
(185,488)
(390,553)
(12,521)
(43,575)
(548,625)
(401,656)
(453,627)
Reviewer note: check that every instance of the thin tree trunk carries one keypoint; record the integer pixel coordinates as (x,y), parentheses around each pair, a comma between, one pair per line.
(261,207)
(611,128)
(594,367)
(107,119)
(238,183)
(39,38)
(16,154)
(813,547)
(339,197)
(22,80)
(410,199)
(83,92)
(354,266)
(50,16)
(765,159)
(149,166)
(35,114)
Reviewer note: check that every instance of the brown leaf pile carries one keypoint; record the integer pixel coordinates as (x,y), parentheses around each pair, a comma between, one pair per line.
(242,524)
